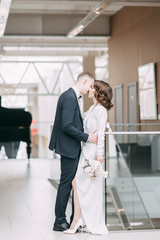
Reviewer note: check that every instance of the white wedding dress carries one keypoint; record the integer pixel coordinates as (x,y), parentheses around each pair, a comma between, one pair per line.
(90,192)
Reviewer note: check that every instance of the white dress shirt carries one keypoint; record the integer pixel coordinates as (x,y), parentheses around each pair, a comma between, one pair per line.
(79,96)
(76,91)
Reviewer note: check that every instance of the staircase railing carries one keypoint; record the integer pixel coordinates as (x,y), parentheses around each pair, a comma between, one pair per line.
(130,205)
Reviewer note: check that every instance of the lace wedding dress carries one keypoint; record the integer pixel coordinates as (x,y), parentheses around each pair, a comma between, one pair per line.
(90,192)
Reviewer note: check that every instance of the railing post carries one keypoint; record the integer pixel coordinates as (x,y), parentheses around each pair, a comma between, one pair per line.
(105,181)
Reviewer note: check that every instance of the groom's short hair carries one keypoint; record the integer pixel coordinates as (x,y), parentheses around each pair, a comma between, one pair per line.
(83,75)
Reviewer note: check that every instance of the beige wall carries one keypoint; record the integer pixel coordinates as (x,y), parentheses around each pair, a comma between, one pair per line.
(135,40)
(88,66)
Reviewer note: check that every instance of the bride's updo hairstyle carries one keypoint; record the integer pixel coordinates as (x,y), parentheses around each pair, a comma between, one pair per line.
(103,94)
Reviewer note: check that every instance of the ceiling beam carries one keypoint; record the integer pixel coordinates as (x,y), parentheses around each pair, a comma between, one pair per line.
(53,41)
(72,6)
(53,46)
(4,12)
(57,7)
(138,3)
(33,53)
(53,25)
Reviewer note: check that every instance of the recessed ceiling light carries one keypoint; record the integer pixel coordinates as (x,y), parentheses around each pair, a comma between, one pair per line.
(70,36)
(97,12)
(81,26)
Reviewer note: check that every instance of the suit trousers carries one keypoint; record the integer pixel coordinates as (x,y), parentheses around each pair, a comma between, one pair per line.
(68,172)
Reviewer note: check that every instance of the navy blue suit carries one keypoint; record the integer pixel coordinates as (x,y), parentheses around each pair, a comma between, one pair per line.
(66,138)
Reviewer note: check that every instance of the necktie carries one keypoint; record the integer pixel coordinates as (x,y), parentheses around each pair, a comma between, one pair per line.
(80,96)
(79,101)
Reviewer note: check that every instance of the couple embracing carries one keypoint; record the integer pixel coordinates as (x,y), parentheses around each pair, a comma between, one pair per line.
(76,137)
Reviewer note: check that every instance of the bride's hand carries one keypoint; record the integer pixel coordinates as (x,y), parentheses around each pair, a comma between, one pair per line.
(100,158)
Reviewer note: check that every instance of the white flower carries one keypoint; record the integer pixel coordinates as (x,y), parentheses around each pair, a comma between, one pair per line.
(94,164)
(90,174)
(94,168)
(87,169)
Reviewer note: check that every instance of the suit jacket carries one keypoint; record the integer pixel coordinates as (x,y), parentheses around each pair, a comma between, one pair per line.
(68,131)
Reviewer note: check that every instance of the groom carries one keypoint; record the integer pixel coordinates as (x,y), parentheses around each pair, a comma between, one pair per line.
(66,138)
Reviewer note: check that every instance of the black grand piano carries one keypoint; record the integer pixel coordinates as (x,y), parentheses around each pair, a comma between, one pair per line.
(14,127)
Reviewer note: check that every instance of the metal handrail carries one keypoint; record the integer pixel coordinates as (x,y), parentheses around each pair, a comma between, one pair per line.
(134,124)
(131,133)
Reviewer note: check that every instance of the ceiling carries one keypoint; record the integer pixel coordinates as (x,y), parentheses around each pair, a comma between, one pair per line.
(37,27)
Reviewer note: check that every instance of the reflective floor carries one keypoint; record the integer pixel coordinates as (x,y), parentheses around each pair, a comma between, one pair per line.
(27,204)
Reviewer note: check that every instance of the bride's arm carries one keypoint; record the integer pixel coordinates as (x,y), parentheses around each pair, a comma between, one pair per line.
(101,125)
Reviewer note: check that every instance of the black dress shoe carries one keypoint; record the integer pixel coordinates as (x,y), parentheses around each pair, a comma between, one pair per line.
(61,227)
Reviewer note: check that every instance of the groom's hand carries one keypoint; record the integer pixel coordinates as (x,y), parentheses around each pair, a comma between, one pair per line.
(92,137)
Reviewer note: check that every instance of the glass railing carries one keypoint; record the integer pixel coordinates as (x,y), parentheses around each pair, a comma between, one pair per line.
(130,154)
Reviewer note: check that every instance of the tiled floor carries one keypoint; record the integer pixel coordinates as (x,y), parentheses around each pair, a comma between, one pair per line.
(27,204)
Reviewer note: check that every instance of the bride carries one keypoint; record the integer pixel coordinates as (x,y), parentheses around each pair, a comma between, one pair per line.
(88,193)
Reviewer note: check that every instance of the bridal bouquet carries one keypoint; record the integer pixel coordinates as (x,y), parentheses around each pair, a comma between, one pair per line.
(94,169)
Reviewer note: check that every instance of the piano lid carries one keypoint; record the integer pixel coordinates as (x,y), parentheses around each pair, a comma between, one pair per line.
(14,117)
